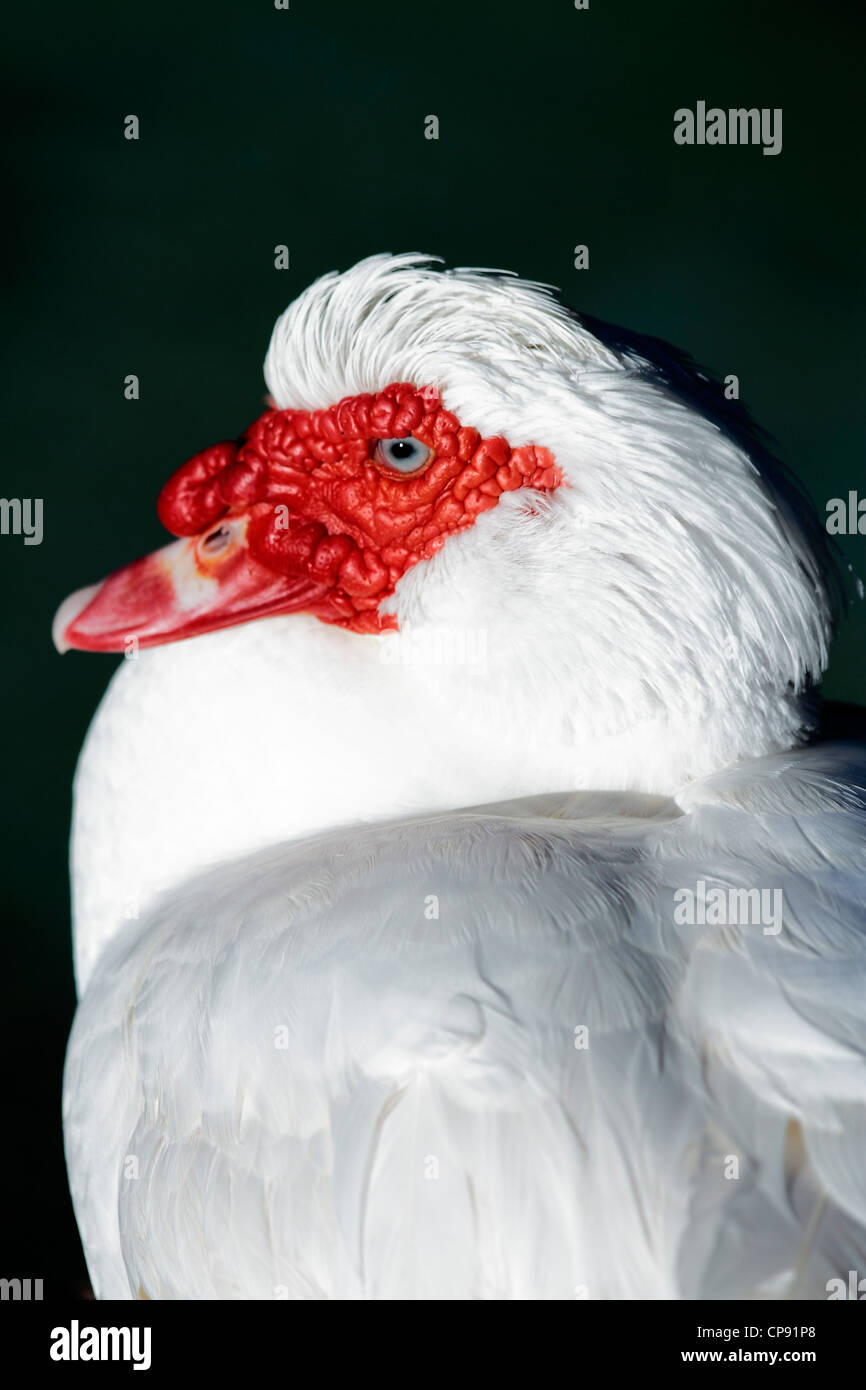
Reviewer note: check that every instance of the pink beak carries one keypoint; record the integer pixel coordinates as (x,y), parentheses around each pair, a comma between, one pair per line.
(195,585)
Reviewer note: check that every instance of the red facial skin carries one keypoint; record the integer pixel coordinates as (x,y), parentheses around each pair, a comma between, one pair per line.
(327,528)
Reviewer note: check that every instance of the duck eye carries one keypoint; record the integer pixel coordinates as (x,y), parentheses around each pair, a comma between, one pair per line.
(404,455)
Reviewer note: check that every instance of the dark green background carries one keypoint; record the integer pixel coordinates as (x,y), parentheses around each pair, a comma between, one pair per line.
(305,127)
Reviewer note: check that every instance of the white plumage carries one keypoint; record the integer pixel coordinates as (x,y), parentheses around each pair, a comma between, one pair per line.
(326,1039)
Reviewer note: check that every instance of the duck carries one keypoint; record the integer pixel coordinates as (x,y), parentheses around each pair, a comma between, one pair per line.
(466,901)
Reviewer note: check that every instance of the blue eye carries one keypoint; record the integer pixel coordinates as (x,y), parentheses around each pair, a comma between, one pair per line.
(403,455)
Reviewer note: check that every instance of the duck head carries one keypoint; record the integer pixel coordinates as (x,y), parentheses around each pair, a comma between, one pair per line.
(458,447)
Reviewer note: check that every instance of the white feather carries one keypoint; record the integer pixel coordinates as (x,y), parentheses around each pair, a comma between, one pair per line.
(430,1129)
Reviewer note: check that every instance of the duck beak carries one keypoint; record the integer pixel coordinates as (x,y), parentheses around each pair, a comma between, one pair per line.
(195,585)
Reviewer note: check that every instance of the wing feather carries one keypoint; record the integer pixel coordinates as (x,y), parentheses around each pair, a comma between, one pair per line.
(476,1056)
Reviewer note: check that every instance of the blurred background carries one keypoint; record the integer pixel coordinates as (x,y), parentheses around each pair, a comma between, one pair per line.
(305,127)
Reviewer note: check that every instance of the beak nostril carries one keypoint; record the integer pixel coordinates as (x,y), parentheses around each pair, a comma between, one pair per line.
(217,541)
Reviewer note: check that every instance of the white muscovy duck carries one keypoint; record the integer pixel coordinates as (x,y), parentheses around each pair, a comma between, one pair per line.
(385,985)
